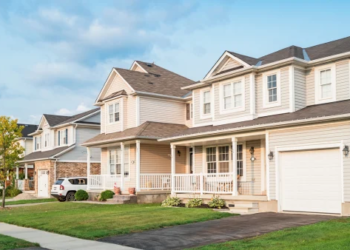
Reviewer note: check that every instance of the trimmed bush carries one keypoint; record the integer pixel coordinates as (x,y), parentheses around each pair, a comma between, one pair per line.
(195,202)
(81,195)
(11,191)
(108,194)
(171,202)
(216,202)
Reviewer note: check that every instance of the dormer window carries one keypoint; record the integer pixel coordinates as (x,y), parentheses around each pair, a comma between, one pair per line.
(47,140)
(206,102)
(325,84)
(113,111)
(62,137)
(271,89)
(37,142)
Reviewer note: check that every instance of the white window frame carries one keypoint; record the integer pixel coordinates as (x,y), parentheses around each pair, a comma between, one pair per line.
(47,140)
(318,97)
(120,103)
(266,103)
(63,137)
(202,115)
(113,104)
(37,143)
(222,102)
(108,160)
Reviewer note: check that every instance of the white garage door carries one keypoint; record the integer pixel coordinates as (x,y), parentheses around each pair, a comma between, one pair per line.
(311,181)
(43,182)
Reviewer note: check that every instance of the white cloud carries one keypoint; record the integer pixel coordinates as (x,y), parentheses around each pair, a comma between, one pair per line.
(82,108)
(64,111)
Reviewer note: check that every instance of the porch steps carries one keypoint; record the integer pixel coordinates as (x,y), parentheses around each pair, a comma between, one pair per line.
(244,207)
(122,199)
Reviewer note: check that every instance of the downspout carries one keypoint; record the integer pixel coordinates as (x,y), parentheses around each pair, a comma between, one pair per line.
(54,170)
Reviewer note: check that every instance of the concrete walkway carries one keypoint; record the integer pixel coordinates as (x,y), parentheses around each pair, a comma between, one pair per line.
(215,231)
(56,241)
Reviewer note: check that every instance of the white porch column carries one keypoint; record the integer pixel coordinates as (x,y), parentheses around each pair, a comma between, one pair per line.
(88,166)
(138,165)
(17,173)
(26,171)
(173,166)
(234,166)
(122,166)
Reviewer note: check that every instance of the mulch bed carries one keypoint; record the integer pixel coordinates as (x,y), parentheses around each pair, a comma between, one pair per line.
(201,206)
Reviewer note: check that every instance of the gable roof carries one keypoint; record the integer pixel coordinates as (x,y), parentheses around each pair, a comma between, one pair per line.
(78,116)
(158,80)
(317,112)
(53,120)
(46,154)
(28,129)
(147,130)
(314,52)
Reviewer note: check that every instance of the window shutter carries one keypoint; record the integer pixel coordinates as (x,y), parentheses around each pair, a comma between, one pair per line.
(59,138)
(66,135)
(188,112)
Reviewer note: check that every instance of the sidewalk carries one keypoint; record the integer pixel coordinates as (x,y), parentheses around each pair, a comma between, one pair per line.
(56,241)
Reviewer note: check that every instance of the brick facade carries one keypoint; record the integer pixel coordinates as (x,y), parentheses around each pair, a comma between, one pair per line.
(63,169)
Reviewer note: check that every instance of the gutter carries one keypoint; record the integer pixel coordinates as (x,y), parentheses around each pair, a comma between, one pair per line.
(158,95)
(118,140)
(257,127)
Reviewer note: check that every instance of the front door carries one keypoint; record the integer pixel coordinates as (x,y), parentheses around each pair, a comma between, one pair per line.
(43,183)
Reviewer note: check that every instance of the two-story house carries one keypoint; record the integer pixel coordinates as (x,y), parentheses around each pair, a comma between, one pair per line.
(26,141)
(271,133)
(57,150)
(139,106)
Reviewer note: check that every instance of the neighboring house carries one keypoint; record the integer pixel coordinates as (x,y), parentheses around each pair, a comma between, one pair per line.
(272,131)
(26,141)
(56,149)
(138,107)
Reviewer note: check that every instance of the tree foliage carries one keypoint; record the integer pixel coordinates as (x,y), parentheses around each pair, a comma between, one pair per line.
(10,149)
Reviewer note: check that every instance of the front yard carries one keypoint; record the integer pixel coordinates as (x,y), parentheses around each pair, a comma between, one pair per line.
(327,235)
(20,202)
(7,243)
(93,221)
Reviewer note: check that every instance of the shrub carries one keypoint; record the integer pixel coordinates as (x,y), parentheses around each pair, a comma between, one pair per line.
(81,195)
(171,202)
(216,202)
(195,202)
(11,191)
(21,176)
(108,194)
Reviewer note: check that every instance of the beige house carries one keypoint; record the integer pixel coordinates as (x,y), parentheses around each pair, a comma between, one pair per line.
(56,150)
(138,107)
(266,134)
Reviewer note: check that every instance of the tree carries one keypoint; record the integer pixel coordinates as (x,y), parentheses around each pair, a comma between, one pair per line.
(10,149)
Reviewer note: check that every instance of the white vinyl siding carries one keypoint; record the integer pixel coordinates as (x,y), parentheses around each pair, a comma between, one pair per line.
(114,112)
(310,135)
(299,88)
(162,110)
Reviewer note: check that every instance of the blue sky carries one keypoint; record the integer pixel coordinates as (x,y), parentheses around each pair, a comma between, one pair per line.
(56,55)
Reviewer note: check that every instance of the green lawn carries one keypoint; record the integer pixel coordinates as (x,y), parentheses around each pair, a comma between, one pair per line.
(30,201)
(92,221)
(328,235)
(7,243)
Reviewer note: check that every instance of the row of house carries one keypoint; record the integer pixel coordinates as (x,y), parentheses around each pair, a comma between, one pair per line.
(271,133)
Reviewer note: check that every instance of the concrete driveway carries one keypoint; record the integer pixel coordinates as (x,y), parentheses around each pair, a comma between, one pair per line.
(215,231)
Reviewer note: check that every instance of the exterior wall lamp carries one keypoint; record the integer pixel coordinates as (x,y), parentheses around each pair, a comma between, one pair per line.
(179,153)
(270,155)
(346,150)
(251,150)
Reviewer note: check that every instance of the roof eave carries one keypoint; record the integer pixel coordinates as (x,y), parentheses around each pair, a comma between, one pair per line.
(98,143)
(259,127)
(158,95)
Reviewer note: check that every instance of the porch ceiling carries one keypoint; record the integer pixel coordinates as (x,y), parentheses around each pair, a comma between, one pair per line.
(207,141)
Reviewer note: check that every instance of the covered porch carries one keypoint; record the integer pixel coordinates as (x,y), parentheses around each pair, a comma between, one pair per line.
(233,167)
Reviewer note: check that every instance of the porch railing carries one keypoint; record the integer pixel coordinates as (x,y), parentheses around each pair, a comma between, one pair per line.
(216,183)
(102,181)
(155,181)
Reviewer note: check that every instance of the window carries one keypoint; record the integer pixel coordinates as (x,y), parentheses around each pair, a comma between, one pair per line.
(115,159)
(206,102)
(240,160)
(224,159)
(191,110)
(272,88)
(233,95)
(37,142)
(113,111)
(326,84)
(211,159)
(47,140)
(188,111)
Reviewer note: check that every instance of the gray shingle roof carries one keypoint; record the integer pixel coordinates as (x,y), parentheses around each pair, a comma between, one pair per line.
(44,154)
(315,111)
(147,130)
(314,52)
(158,80)
(78,116)
(28,129)
(114,94)
(55,120)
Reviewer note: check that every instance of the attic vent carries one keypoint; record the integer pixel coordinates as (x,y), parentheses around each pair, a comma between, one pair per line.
(149,64)
(156,75)
(150,82)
